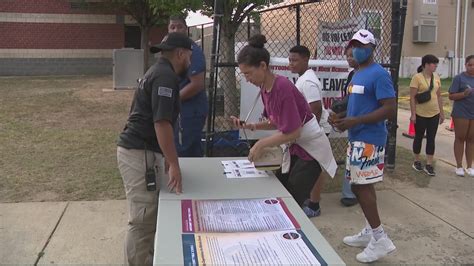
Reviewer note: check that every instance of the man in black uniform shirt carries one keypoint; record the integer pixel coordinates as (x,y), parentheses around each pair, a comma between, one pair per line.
(147,141)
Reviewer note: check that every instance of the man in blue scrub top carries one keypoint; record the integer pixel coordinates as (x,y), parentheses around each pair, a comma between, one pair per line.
(194,103)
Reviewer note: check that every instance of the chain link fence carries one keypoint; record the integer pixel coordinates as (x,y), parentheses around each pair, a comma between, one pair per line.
(324,27)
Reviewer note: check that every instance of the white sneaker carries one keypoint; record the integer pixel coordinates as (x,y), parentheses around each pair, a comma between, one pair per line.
(362,239)
(460,171)
(470,172)
(376,249)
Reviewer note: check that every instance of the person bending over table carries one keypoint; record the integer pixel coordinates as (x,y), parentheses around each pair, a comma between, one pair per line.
(286,110)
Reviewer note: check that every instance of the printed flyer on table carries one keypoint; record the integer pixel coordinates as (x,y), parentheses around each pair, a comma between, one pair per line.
(288,247)
(250,231)
(250,215)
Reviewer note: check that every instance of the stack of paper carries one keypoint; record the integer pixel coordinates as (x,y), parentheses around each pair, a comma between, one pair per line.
(242,169)
(245,232)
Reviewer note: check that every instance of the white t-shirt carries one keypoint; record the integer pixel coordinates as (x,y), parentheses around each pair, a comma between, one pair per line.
(310,86)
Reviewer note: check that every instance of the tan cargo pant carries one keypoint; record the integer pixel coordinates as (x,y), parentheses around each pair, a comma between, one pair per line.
(142,204)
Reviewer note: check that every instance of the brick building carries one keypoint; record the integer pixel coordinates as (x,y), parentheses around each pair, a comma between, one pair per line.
(61,37)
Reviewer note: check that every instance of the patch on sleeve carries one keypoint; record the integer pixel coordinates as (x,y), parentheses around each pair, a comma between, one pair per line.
(165,92)
(359,89)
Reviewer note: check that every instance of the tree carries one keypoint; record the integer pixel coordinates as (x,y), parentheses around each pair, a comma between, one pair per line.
(234,13)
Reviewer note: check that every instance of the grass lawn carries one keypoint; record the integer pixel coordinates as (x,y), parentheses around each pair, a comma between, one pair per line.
(404,94)
(57,140)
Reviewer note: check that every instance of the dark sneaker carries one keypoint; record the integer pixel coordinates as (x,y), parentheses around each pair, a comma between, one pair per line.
(417,166)
(306,202)
(429,170)
(310,212)
(348,202)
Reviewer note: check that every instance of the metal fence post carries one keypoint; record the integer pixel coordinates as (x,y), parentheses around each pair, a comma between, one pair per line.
(298,24)
(202,37)
(218,13)
(248,27)
(398,23)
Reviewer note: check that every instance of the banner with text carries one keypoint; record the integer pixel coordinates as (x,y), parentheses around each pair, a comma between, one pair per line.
(334,36)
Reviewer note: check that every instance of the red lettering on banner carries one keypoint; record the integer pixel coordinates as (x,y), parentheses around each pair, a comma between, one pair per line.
(339,69)
(324,69)
(280,67)
(333,50)
(327,101)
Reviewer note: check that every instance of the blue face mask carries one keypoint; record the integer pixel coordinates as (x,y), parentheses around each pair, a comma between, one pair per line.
(361,54)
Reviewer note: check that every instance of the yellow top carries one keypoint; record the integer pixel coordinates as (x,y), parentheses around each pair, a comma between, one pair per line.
(431,107)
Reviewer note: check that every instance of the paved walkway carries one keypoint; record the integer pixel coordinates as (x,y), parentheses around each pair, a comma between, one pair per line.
(444,138)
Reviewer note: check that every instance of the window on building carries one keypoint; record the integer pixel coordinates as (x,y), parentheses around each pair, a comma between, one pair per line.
(132,37)
(85,4)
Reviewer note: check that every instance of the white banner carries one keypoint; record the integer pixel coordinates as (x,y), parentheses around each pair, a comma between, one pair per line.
(332,74)
(334,36)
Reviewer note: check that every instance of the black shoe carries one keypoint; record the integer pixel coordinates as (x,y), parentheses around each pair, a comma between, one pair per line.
(349,201)
(417,166)
(429,170)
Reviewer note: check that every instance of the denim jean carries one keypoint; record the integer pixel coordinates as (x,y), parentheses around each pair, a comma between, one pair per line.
(346,189)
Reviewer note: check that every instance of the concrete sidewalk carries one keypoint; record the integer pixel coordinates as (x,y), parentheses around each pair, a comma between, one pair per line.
(87,232)
(444,138)
(432,225)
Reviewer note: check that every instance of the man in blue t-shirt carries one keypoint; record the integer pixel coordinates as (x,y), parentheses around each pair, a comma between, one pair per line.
(194,104)
(371,102)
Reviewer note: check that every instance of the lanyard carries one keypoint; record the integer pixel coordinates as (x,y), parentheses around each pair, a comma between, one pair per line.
(248,116)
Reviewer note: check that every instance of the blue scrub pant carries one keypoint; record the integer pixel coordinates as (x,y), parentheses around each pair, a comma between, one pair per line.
(188,136)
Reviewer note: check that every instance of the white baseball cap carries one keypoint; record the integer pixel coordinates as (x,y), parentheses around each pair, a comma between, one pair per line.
(364,37)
